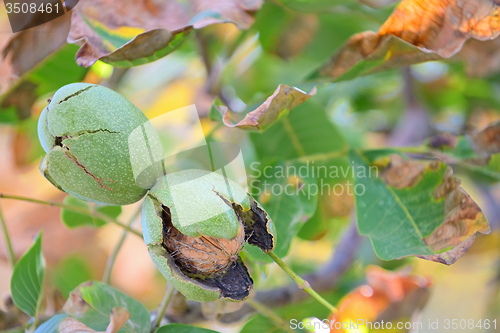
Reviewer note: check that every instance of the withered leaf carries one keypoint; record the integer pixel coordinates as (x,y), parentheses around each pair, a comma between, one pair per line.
(119,317)
(277,105)
(94,304)
(443,25)
(417,31)
(462,216)
(487,141)
(30,52)
(418,203)
(377,3)
(137,32)
(388,296)
(27,48)
(481,58)
(477,152)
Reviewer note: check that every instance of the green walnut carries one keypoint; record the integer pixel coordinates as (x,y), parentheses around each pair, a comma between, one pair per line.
(195,224)
(97,143)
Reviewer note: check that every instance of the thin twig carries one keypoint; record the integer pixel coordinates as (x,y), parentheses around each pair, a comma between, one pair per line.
(322,157)
(74,209)
(303,284)
(415,124)
(8,244)
(203,47)
(167,297)
(269,313)
(106,276)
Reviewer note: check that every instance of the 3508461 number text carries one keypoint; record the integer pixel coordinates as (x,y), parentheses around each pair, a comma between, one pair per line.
(25,7)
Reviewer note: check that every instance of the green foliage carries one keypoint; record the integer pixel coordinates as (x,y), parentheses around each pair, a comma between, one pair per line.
(59,66)
(395,219)
(73,219)
(70,273)
(259,323)
(100,299)
(402,210)
(27,279)
(412,206)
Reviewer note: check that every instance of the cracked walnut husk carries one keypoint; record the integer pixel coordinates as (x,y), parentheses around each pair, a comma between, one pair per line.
(195,223)
(86,132)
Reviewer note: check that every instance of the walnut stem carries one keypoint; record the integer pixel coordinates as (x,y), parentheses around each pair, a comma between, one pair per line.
(8,244)
(303,284)
(167,297)
(75,209)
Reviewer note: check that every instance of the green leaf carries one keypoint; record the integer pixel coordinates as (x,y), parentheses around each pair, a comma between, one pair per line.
(417,208)
(73,219)
(214,113)
(99,300)
(27,279)
(125,46)
(478,153)
(182,328)
(138,50)
(9,115)
(70,273)
(51,325)
(259,323)
(59,66)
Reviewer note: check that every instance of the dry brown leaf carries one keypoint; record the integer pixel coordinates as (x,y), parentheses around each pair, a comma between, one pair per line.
(72,325)
(277,105)
(27,48)
(140,30)
(443,25)
(463,218)
(487,141)
(435,29)
(384,292)
(239,12)
(481,58)
(403,173)
(119,317)
(22,53)
(295,35)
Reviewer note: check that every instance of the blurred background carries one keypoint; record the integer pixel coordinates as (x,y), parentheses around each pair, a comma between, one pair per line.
(288,41)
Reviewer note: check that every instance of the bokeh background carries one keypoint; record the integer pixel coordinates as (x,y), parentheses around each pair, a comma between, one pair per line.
(288,41)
